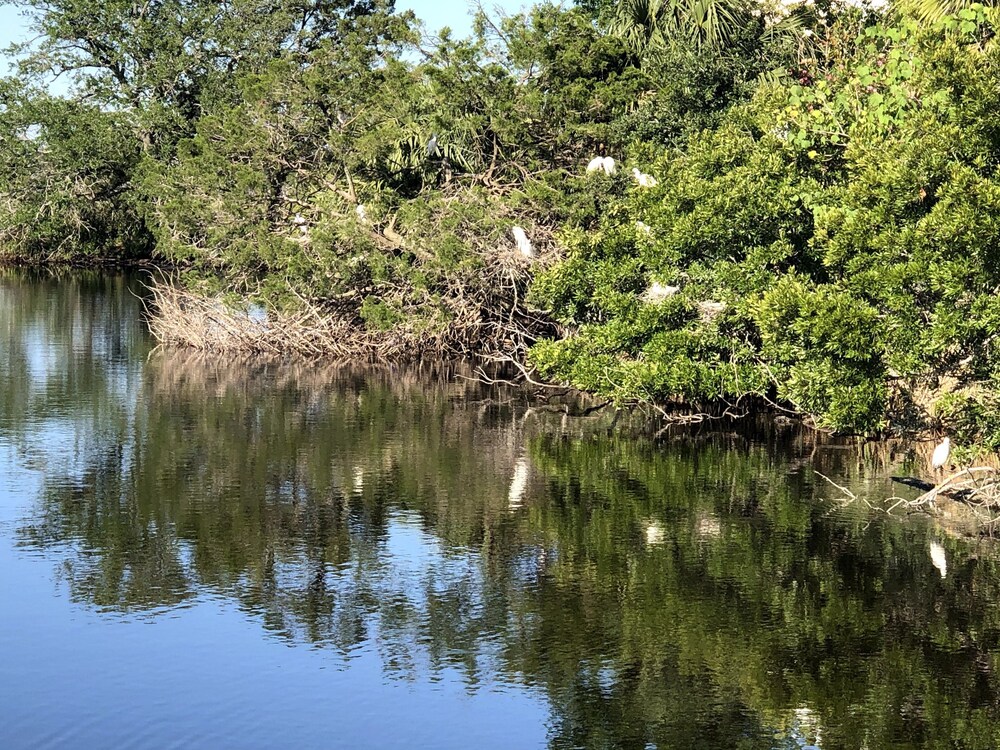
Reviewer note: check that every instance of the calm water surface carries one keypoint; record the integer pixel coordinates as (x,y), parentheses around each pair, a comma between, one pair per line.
(201,554)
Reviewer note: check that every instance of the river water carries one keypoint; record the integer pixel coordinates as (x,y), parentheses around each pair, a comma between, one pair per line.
(201,553)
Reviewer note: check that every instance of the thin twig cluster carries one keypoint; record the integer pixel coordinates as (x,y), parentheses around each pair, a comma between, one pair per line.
(976,487)
(485,318)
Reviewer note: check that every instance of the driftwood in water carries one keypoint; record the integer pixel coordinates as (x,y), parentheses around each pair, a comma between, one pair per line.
(967,502)
(978,486)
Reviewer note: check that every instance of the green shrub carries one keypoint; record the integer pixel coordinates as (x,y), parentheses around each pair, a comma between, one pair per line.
(848,222)
(65,172)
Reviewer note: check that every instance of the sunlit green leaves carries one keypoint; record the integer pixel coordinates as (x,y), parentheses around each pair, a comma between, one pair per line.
(847,221)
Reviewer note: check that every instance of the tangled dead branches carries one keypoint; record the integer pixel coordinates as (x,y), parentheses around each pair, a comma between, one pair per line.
(976,486)
(178,317)
(975,490)
(486,320)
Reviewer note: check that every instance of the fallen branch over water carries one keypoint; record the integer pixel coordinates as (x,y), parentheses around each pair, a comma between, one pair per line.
(969,498)
(976,485)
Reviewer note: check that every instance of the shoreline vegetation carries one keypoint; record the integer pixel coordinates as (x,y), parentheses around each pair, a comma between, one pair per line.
(793,205)
(484,322)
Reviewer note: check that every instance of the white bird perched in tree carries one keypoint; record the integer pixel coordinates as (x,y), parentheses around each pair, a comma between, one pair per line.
(361,212)
(658,292)
(941,453)
(523,243)
(601,164)
(643,227)
(938,558)
(432,146)
(644,180)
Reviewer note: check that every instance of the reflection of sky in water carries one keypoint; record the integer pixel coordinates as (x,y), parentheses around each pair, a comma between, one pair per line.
(233,682)
(18,483)
(64,434)
(41,355)
(198,677)
(199,673)
(411,552)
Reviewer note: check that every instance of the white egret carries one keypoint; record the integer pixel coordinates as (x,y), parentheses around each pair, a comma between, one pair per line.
(361,212)
(938,558)
(523,243)
(432,146)
(644,180)
(940,457)
(601,164)
(658,292)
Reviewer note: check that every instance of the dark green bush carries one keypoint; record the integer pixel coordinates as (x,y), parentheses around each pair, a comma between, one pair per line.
(65,180)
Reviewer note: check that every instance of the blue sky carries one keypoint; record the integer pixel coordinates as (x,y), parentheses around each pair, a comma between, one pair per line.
(12,27)
(454,13)
(435,13)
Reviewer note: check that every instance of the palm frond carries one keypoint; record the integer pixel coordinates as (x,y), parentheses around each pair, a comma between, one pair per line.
(795,28)
(647,24)
(934,11)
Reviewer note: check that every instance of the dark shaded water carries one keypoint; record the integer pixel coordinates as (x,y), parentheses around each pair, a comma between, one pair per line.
(195,553)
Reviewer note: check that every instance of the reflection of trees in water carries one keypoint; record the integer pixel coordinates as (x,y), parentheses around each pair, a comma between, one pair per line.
(688,593)
(778,603)
(63,336)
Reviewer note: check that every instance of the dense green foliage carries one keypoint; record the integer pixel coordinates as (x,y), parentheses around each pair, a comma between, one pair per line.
(833,244)
(824,213)
(65,182)
(247,119)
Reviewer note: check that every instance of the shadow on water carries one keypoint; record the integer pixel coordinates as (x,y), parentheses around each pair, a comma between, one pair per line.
(698,591)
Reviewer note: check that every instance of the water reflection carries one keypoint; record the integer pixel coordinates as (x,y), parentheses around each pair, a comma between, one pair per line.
(690,592)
